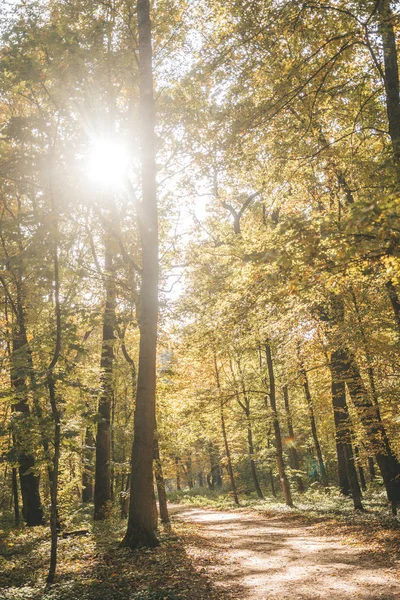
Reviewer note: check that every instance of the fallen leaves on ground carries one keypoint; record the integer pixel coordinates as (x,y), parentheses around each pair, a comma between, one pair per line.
(95,567)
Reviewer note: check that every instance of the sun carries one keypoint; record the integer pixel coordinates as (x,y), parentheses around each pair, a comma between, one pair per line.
(108,163)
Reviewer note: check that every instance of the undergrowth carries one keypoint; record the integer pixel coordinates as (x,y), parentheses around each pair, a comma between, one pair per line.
(316,503)
(95,567)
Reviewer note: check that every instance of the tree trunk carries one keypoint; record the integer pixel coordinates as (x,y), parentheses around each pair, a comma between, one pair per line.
(51,385)
(216,477)
(386,21)
(270,472)
(395,302)
(178,473)
(368,356)
(272,483)
(15,496)
(371,468)
(228,455)
(251,456)
(112,448)
(348,482)
(360,469)
(125,498)
(307,393)
(102,487)
(277,430)
(21,364)
(140,531)
(293,454)
(54,479)
(87,468)
(158,473)
(189,471)
(370,417)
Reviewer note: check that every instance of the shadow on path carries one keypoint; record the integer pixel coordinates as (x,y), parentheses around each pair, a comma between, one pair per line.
(271,558)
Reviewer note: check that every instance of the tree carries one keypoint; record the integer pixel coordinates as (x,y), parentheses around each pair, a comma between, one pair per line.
(140,530)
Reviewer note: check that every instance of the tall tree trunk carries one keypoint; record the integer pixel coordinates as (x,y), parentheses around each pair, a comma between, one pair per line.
(159,477)
(368,356)
(272,482)
(102,487)
(360,469)
(371,468)
(112,448)
(15,496)
(216,477)
(87,468)
(370,417)
(395,302)
(54,479)
(125,498)
(224,435)
(386,21)
(293,454)
(21,364)
(348,481)
(245,406)
(251,456)
(140,531)
(270,471)
(277,430)
(307,393)
(228,453)
(189,471)
(51,385)
(178,473)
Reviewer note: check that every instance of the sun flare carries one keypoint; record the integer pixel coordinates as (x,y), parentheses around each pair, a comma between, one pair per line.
(108,163)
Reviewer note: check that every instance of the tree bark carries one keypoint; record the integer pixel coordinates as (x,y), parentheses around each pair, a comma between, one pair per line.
(371,468)
(178,473)
(51,384)
(21,365)
(395,302)
(140,531)
(102,487)
(370,417)
(391,75)
(159,477)
(228,454)
(251,455)
(189,471)
(54,477)
(360,469)
(15,496)
(317,446)
(293,454)
(348,481)
(87,467)
(270,472)
(277,430)
(216,477)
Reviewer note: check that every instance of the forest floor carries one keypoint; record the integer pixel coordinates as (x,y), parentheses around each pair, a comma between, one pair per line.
(207,554)
(291,557)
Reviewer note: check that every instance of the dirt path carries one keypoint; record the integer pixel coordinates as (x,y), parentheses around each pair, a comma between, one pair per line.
(270,558)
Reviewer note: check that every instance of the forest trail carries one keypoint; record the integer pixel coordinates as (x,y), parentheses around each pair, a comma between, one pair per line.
(271,557)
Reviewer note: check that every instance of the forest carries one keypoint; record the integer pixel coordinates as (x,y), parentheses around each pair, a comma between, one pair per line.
(199,299)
